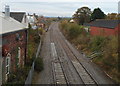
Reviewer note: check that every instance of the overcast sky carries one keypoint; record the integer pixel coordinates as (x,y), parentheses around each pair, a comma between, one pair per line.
(65,8)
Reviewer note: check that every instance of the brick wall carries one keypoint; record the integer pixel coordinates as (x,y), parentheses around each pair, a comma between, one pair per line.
(102,31)
(13,43)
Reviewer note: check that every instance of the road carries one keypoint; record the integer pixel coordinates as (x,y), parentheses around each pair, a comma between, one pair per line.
(63,64)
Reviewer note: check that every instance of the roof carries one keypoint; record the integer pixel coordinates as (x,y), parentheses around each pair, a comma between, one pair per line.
(9,24)
(17,15)
(104,23)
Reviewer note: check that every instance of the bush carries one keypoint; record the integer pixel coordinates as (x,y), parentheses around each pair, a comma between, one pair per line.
(39,64)
(71,30)
(74,31)
(36,39)
(96,43)
(41,31)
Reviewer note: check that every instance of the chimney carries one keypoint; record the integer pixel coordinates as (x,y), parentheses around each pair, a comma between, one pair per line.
(7,11)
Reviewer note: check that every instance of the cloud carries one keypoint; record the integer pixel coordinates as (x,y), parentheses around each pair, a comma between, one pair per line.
(60,1)
(63,8)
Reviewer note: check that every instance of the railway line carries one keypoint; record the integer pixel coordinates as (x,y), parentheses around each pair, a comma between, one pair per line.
(59,76)
(64,65)
(80,70)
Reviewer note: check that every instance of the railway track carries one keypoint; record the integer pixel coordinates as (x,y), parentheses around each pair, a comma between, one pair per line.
(59,76)
(80,69)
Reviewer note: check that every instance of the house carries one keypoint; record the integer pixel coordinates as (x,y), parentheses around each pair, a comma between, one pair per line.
(42,22)
(71,21)
(103,27)
(14,44)
(32,20)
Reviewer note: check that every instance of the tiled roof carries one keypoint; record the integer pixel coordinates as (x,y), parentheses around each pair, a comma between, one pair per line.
(104,23)
(17,15)
(9,24)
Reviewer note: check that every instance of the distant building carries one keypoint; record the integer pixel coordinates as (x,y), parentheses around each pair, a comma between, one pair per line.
(42,22)
(104,27)
(32,20)
(72,21)
(14,45)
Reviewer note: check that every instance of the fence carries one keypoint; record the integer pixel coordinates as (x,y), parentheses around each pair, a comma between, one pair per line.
(31,72)
(30,75)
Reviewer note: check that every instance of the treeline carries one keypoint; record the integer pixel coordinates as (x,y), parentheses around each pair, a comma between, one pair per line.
(85,15)
(101,50)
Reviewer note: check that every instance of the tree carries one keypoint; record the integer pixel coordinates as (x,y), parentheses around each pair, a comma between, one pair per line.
(97,14)
(113,16)
(29,26)
(82,15)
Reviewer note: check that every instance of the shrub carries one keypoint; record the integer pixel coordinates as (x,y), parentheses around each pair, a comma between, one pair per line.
(41,31)
(39,64)
(71,30)
(74,31)
(96,43)
(36,39)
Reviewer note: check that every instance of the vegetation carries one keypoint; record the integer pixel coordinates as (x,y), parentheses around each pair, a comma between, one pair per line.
(102,50)
(33,42)
(113,16)
(39,64)
(18,77)
(97,14)
(85,15)
(82,15)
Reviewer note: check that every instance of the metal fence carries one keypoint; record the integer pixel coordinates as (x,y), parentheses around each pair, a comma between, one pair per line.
(30,75)
(31,72)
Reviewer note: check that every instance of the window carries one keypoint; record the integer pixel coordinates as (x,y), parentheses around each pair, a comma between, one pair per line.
(7,66)
(17,37)
(19,55)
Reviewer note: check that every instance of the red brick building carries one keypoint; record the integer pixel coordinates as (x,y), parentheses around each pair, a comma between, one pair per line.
(104,27)
(14,45)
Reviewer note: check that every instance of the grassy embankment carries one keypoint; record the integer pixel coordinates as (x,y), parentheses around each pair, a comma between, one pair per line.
(102,50)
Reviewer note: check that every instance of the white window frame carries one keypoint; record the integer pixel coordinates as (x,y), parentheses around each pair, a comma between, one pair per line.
(7,67)
(19,55)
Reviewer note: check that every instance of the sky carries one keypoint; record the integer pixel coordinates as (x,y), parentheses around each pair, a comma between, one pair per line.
(54,8)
